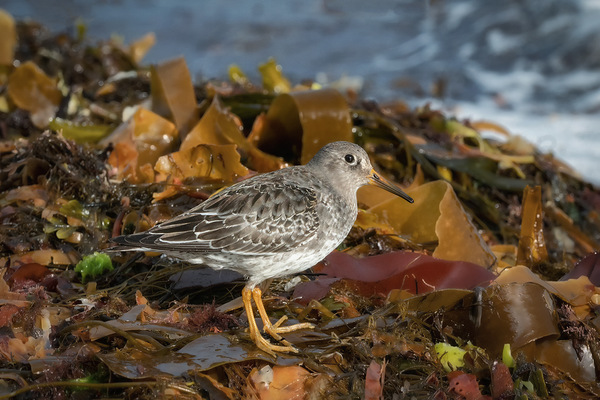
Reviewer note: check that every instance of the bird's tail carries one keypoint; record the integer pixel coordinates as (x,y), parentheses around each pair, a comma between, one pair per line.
(126,243)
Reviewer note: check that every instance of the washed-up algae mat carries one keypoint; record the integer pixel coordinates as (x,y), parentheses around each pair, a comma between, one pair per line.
(486,287)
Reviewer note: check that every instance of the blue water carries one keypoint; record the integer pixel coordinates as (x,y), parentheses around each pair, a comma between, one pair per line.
(530,65)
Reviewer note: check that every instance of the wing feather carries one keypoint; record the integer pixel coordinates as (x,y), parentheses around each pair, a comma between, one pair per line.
(249,218)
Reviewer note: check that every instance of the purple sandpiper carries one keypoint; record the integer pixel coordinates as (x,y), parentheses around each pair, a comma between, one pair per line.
(271,225)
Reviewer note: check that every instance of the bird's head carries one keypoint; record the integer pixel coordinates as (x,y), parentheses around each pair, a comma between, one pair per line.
(347,164)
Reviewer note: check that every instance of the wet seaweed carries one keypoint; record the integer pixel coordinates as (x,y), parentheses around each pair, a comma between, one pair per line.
(152,327)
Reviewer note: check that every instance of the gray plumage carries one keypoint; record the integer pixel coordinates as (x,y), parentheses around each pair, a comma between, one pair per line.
(271,225)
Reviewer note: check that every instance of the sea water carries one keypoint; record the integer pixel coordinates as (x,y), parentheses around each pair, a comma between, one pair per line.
(532,66)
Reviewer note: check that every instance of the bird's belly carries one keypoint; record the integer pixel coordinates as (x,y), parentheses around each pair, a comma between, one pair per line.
(260,267)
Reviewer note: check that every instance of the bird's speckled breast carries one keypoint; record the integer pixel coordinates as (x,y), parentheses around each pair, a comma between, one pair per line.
(341,214)
(337,215)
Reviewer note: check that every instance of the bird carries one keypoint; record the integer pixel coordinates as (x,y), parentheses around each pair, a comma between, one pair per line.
(269,226)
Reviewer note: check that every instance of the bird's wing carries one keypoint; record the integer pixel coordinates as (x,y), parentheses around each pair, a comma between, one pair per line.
(252,218)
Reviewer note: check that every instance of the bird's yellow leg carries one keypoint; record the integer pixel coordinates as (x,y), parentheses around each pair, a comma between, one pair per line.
(275,329)
(255,335)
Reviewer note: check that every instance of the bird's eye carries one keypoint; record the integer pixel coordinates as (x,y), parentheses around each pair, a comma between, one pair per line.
(350,159)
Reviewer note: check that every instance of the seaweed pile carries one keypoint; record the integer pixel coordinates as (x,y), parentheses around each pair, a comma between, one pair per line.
(485,287)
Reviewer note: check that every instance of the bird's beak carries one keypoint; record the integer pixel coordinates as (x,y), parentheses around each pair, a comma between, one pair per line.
(378,180)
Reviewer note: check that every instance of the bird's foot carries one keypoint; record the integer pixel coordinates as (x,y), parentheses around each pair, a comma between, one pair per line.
(276,329)
(268,347)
